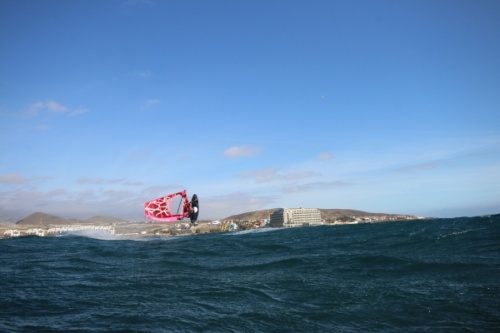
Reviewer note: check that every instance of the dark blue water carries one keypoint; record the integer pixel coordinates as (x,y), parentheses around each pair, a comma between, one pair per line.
(422,276)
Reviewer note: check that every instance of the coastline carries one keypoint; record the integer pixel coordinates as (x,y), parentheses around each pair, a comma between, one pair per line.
(134,230)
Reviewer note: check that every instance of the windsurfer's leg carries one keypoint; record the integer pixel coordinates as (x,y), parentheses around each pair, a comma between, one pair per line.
(195,208)
(193,215)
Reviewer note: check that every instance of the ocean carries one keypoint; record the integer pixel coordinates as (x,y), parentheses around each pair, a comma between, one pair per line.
(440,275)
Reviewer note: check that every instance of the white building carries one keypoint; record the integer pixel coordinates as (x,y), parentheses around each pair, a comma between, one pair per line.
(295,217)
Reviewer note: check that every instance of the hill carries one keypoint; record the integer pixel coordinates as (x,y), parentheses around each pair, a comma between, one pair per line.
(250,216)
(43,218)
(326,214)
(332,214)
(39,218)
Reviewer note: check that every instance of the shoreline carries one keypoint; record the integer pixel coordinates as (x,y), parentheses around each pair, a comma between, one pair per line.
(134,230)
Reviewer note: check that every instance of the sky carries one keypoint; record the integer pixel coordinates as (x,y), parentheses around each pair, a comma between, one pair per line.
(383,106)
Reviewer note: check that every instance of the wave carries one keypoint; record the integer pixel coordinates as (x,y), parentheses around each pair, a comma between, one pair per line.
(435,275)
(95,234)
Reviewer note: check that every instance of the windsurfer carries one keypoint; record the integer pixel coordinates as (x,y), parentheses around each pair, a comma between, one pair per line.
(194,209)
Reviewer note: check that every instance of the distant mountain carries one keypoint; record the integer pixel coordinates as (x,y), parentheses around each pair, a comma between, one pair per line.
(326,214)
(332,214)
(43,218)
(39,218)
(250,216)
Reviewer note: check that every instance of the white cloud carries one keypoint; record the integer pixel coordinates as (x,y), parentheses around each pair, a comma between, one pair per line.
(260,176)
(140,154)
(218,207)
(241,151)
(102,181)
(74,204)
(271,174)
(13,178)
(300,175)
(34,108)
(295,188)
(77,112)
(140,74)
(416,167)
(52,107)
(325,156)
(93,181)
(55,107)
(58,192)
(150,103)
(41,127)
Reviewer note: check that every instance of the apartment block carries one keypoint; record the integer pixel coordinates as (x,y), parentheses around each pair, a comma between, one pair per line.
(295,217)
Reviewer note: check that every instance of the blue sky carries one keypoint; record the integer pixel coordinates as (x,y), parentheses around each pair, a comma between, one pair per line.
(383,106)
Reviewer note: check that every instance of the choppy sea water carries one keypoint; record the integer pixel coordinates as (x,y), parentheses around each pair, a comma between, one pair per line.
(421,276)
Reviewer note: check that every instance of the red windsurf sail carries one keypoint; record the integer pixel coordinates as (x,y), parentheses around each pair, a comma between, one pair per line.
(172,207)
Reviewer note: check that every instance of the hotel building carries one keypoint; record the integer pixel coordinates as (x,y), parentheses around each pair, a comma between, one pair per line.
(294,217)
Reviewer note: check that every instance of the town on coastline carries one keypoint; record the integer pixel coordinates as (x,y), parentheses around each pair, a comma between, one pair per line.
(43,225)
